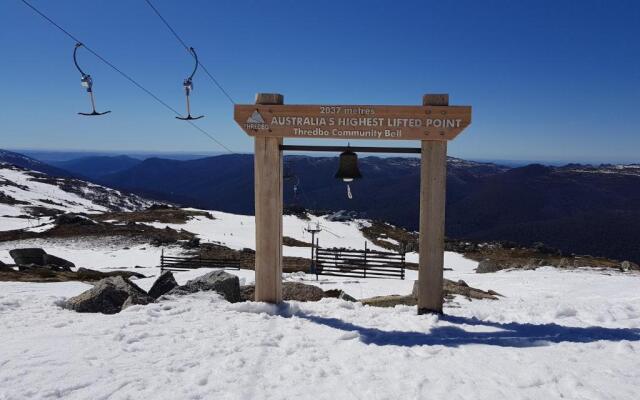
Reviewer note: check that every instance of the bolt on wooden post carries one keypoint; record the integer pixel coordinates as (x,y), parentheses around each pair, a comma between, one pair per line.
(268,210)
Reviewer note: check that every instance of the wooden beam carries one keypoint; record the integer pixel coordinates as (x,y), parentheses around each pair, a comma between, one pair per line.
(433,176)
(268,211)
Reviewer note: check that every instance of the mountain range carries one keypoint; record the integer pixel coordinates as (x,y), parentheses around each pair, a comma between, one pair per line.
(578,209)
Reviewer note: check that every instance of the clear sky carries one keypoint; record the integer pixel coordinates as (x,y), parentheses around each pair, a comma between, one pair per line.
(547,79)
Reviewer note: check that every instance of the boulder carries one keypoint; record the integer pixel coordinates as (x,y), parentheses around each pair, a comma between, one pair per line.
(136,300)
(5,267)
(73,219)
(163,285)
(390,301)
(461,288)
(61,263)
(301,292)
(108,296)
(297,291)
(28,256)
(629,266)
(86,274)
(486,266)
(218,281)
(339,294)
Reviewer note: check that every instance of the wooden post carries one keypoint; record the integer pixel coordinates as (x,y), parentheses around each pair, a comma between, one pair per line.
(268,210)
(433,176)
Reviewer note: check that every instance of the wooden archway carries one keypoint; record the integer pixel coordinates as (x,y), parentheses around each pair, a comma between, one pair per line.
(269,121)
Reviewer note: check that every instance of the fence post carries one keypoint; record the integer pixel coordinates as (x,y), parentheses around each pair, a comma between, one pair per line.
(364,267)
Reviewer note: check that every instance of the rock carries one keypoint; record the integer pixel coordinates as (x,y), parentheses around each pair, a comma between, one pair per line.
(73,219)
(93,275)
(219,281)
(486,266)
(247,293)
(339,294)
(192,243)
(532,264)
(563,263)
(629,266)
(163,284)
(63,264)
(5,267)
(390,301)
(301,292)
(28,256)
(297,291)
(108,296)
(461,288)
(136,300)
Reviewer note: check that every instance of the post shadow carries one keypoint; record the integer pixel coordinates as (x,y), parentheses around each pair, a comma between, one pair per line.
(512,334)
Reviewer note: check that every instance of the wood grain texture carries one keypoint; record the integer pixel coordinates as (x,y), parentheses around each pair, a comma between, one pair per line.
(433,177)
(268,211)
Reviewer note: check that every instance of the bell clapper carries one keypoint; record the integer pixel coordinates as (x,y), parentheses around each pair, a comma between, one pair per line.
(349,195)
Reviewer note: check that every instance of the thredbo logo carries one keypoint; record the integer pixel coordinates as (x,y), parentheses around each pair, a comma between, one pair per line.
(255,121)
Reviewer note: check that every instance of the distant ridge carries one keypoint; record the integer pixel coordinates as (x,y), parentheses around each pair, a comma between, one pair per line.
(20,160)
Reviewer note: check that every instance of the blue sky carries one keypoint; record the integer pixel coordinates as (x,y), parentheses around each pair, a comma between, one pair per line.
(548,80)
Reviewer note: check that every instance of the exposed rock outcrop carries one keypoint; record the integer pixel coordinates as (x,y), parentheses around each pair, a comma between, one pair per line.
(218,281)
(108,296)
(164,284)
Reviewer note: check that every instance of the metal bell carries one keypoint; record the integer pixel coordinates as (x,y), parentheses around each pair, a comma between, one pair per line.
(348,170)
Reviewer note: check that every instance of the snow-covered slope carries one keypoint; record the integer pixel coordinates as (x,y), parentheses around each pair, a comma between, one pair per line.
(556,333)
(29,198)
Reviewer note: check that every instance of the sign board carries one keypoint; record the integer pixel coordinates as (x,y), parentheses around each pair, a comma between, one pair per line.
(353,121)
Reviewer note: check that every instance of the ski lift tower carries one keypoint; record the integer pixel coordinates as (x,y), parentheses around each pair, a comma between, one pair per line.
(313,230)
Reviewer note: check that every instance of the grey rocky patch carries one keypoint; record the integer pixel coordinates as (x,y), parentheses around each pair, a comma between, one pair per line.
(629,266)
(108,297)
(73,219)
(28,256)
(297,291)
(486,266)
(339,294)
(136,300)
(461,288)
(218,281)
(92,275)
(163,285)
(301,292)
(65,265)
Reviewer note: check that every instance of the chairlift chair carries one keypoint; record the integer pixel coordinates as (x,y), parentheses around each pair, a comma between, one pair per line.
(87,82)
(188,87)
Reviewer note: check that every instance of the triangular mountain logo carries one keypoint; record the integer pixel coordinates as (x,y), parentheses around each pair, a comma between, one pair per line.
(255,118)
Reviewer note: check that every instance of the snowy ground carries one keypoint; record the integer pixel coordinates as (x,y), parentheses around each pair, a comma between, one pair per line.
(556,333)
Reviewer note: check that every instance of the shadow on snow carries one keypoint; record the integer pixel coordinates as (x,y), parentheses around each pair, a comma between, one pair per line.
(510,334)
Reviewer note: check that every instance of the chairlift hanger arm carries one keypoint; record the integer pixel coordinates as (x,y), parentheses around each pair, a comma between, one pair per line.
(195,56)
(75,58)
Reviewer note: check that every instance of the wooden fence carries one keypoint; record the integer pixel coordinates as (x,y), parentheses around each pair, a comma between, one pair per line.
(359,263)
(177,263)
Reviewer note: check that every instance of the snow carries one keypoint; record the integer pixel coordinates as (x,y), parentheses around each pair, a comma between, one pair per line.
(556,333)
(238,232)
(22,185)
